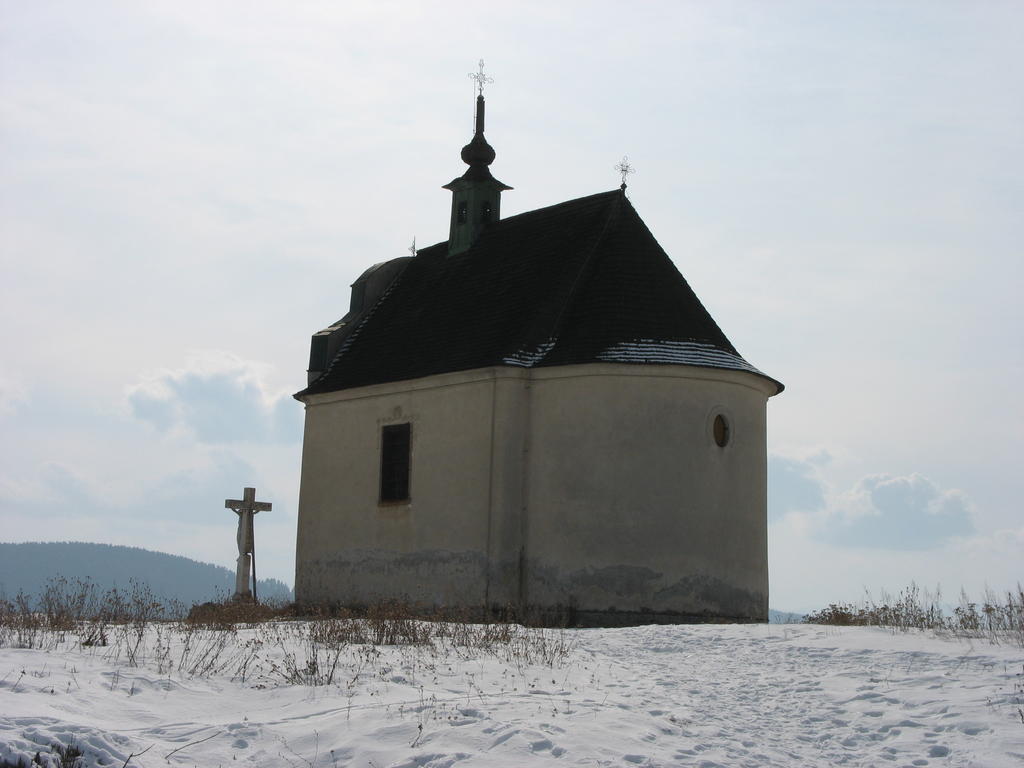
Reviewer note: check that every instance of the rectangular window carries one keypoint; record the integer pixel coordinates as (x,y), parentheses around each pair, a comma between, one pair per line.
(395,444)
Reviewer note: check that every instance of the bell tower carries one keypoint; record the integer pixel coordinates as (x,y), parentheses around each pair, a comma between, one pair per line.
(476,194)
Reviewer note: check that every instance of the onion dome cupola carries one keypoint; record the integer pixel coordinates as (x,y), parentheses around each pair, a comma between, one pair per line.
(476,194)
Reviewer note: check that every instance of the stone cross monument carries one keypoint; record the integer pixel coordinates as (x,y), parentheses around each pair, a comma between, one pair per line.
(245,509)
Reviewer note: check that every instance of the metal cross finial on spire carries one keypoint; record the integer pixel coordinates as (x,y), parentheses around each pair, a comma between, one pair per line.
(480,78)
(625,169)
(412,248)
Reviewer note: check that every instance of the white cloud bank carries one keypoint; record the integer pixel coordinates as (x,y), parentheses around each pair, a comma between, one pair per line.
(880,511)
(886,512)
(218,397)
(878,534)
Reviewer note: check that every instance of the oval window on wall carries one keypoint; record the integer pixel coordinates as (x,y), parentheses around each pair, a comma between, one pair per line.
(721,430)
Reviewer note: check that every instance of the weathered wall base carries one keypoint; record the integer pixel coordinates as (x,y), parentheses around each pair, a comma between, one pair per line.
(437,579)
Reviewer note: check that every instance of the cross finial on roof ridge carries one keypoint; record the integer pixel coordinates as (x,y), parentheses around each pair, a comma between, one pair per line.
(625,169)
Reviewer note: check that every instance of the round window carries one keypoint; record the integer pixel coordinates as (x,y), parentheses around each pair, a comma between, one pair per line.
(721,431)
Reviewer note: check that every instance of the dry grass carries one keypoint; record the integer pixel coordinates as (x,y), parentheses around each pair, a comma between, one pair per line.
(996,618)
(277,643)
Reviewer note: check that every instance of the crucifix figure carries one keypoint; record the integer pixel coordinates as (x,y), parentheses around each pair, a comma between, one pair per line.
(245,508)
(625,169)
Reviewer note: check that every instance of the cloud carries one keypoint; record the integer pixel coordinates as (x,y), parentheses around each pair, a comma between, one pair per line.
(51,487)
(193,493)
(63,485)
(911,512)
(218,397)
(12,395)
(793,485)
(848,574)
(880,511)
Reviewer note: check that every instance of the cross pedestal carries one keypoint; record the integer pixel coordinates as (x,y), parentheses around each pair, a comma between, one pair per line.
(245,508)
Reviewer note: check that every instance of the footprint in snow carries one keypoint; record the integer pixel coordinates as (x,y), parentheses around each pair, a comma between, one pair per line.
(535,740)
(243,733)
(542,745)
(433,761)
(504,737)
(972,730)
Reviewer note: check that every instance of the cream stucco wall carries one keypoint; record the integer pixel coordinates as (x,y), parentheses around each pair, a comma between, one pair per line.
(596,486)
(633,505)
(351,548)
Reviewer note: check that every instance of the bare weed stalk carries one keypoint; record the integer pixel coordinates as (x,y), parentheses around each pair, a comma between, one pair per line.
(997,619)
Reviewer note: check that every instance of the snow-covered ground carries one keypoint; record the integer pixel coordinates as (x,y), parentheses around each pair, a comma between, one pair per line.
(710,695)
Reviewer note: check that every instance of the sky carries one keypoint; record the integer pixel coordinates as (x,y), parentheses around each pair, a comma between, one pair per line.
(187,190)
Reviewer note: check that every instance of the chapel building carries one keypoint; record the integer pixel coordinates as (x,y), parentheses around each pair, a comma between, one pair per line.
(537,413)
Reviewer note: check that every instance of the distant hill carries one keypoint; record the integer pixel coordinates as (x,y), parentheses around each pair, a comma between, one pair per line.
(27,568)
(784,617)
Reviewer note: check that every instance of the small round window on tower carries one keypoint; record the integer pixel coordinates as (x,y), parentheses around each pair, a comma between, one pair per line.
(722,431)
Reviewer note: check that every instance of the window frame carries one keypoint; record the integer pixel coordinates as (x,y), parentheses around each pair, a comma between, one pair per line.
(721,430)
(395,437)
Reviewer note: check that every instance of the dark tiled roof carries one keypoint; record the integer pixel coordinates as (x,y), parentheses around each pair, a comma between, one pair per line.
(580,282)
